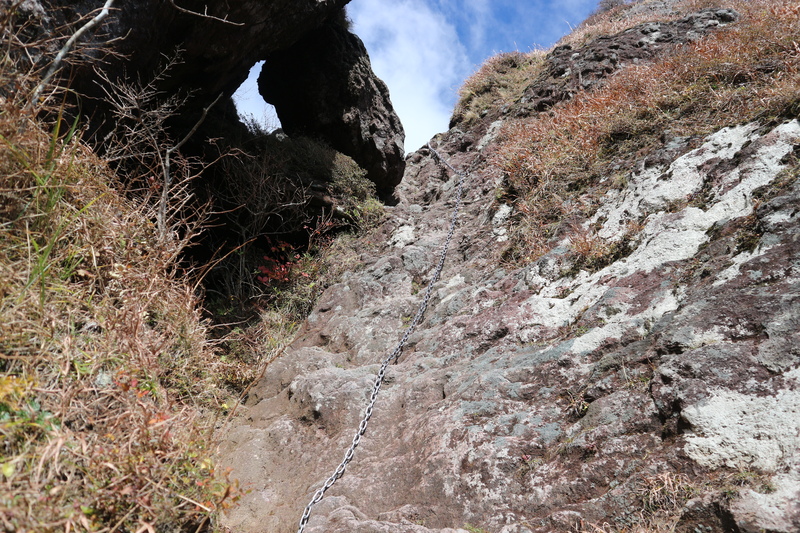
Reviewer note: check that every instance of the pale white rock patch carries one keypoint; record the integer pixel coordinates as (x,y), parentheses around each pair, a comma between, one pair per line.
(403,236)
(745,431)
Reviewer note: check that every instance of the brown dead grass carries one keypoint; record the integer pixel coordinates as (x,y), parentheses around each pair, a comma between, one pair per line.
(662,497)
(109,388)
(500,81)
(557,164)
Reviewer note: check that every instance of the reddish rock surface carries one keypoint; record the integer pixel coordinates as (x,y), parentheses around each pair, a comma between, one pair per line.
(545,397)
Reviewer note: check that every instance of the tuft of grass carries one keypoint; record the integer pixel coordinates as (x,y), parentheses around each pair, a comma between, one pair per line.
(662,498)
(500,81)
(666,493)
(591,252)
(109,386)
(557,164)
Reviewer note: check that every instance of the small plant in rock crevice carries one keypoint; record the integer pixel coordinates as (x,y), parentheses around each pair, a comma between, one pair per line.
(474,529)
(661,501)
(665,493)
(592,252)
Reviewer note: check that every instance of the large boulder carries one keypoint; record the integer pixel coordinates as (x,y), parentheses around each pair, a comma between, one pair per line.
(323,86)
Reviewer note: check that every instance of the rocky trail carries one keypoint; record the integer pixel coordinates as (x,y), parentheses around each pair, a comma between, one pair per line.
(640,375)
(545,397)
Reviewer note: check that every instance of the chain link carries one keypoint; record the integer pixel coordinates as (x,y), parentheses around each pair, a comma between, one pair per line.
(395,355)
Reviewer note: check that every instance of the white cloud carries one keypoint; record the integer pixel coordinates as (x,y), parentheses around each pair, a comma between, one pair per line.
(481,17)
(424,49)
(419,55)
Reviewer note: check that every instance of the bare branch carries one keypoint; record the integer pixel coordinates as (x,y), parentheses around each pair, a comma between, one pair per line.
(65,50)
(197,125)
(205,14)
(162,211)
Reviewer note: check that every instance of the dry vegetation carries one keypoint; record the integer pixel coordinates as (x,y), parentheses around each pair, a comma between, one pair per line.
(267,198)
(500,81)
(558,164)
(109,389)
(113,383)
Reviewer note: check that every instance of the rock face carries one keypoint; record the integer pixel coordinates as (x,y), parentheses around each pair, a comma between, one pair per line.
(547,398)
(215,56)
(323,86)
(570,71)
(216,46)
(529,401)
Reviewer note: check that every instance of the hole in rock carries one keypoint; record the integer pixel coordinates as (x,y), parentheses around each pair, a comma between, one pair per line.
(252,108)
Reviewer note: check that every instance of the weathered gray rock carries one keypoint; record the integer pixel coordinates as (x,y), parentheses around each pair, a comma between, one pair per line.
(323,86)
(570,71)
(682,359)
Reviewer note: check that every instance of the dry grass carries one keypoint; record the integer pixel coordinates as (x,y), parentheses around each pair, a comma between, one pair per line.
(113,387)
(591,252)
(665,493)
(662,499)
(500,81)
(109,388)
(558,164)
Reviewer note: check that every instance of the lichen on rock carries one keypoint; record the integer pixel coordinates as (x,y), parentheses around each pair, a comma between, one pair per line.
(652,387)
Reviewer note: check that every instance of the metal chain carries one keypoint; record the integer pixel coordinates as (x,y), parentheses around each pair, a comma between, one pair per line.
(395,355)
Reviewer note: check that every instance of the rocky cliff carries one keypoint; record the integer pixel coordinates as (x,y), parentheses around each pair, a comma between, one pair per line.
(613,343)
(323,86)
(193,53)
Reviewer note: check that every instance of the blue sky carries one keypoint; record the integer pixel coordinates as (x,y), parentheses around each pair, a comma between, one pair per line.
(425,49)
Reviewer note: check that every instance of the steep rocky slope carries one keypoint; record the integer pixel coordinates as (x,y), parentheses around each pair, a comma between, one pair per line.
(639,371)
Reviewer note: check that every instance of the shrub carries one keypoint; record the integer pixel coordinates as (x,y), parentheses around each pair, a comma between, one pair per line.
(500,81)
(280,194)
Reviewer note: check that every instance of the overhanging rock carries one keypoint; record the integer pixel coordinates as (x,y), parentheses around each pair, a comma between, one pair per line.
(323,86)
